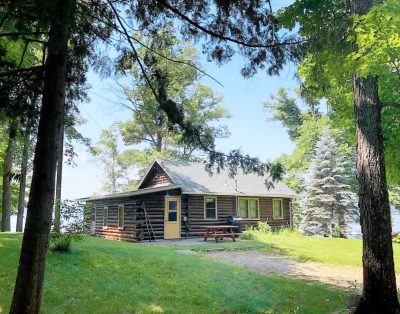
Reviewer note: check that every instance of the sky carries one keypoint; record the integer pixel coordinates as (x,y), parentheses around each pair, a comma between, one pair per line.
(243,98)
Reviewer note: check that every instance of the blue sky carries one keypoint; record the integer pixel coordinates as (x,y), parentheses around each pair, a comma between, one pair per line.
(244,98)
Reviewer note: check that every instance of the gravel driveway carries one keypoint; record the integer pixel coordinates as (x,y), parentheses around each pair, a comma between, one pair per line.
(340,276)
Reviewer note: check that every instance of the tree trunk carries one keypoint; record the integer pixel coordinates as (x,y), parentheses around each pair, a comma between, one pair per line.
(7,176)
(57,207)
(22,182)
(30,275)
(159,139)
(379,289)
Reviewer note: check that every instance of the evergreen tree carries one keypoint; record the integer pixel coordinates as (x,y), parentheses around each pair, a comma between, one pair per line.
(329,204)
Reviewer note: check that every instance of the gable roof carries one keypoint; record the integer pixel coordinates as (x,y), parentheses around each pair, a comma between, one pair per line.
(194,179)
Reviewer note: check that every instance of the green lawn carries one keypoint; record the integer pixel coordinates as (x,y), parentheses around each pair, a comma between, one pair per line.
(102,276)
(325,250)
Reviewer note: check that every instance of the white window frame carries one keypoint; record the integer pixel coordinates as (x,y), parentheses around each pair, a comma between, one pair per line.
(273,208)
(248,198)
(105,222)
(216,208)
(123,216)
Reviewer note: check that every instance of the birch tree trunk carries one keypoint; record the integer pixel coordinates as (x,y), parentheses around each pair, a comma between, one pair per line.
(22,182)
(379,289)
(30,276)
(7,176)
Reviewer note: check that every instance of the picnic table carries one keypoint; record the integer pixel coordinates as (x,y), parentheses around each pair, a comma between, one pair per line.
(220,231)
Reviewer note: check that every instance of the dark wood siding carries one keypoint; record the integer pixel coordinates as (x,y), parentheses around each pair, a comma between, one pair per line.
(192,215)
(135,227)
(226,206)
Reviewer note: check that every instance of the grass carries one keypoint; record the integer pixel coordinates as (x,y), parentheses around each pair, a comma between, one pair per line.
(333,251)
(101,276)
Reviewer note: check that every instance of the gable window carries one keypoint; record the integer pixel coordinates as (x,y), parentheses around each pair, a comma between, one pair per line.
(277,208)
(210,208)
(121,211)
(105,217)
(249,208)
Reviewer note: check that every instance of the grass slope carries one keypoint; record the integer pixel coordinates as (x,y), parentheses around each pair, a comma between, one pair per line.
(102,276)
(333,251)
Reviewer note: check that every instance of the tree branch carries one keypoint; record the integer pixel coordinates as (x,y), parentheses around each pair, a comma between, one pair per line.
(18,34)
(221,36)
(24,70)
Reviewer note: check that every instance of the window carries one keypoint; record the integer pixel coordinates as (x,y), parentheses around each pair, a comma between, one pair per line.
(105,217)
(249,208)
(277,208)
(210,208)
(121,216)
(172,210)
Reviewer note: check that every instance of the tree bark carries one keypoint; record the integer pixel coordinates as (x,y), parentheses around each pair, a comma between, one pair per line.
(379,289)
(159,139)
(7,176)
(30,276)
(57,207)
(22,182)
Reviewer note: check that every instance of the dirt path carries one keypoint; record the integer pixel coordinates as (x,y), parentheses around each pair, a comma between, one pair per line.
(341,276)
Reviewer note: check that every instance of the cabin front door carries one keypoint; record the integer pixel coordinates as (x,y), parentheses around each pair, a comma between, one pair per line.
(172,217)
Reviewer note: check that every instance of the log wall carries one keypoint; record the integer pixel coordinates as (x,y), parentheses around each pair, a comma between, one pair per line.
(226,206)
(192,215)
(135,228)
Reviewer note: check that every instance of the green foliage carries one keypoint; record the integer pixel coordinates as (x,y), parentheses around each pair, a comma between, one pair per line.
(285,110)
(103,276)
(328,199)
(394,196)
(299,161)
(72,226)
(249,234)
(114,165)
(326,70)
(397,239)
(263,227)
(150,127)
(252,233)
(61,242)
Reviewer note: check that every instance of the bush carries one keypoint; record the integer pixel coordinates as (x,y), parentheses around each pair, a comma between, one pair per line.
(72,227)
(263,227)
(61,242)
(396,239)
(249,234)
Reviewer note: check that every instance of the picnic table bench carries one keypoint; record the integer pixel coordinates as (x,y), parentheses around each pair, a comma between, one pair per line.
(220,231)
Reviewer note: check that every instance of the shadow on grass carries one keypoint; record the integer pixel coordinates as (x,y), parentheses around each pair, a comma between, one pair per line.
(102,276)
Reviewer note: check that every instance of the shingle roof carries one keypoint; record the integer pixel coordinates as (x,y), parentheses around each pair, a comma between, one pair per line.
(194,179)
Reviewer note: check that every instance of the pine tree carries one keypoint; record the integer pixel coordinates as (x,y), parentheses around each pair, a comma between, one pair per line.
(329,203)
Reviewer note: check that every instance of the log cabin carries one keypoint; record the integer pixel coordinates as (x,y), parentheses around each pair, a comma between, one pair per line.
(176,199)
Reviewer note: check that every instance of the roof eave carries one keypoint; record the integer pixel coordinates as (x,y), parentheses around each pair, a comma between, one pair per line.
(133,193)
(240,194)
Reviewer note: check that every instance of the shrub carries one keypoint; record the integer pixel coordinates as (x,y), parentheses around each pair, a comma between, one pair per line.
(61,242)
(263,227)
(249,234)
(397,238)
(288,232)
(72,226)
